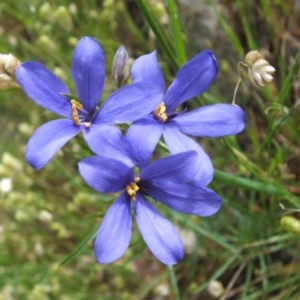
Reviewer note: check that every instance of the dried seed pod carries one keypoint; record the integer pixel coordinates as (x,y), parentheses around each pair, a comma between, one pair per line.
(259,69)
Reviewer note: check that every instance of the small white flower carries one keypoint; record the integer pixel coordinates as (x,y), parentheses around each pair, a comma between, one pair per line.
(259,69)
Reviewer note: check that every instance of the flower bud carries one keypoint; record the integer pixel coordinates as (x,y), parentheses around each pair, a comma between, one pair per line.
(63,18)
(8,66)
(259,69)
(46,43)
(120,67)
(291,224)
(46,12)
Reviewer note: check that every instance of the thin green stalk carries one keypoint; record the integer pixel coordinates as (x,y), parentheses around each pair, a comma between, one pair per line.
(219,272)
(173,282)
(248,281)
(275,286)
(258,186)
(263,270)
(233,279)
(234,39)
(157,29)
(208,233)
(292,75)
(246,24)
(273,127)
(82,245)
(283,95)
(177,31)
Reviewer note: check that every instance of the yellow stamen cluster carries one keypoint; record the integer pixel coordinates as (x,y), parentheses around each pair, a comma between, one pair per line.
(132,188)
(75,106)
(160,113)
(75,115)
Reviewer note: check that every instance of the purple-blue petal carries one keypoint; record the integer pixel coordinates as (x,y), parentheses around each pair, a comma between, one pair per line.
(211,121)
(143,136)
(47,140)
(159,234)
(114,234)
(44,88)
(108,141)
(104,174)
(178,142)
(146,68)
(192,79)
(88,72)
(186,198)
(129,103)
(178,167)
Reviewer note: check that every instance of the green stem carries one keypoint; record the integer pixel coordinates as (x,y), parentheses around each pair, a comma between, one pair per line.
(177,31)
(79,248)
(265,187)
(289,79)
(235,90)
(173,282)
(157,29)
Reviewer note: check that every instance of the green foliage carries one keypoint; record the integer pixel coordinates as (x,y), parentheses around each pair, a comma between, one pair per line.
(48,218)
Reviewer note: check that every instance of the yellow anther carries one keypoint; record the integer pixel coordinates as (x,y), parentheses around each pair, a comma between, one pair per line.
(132,188)
(75,105)
(76,119)
(160,113)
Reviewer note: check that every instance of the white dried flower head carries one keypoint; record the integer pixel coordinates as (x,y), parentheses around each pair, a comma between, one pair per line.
(4,77)
(162,290)
(45,216)
(188,239)
(5,185)
(8,66)
(259,69)
(215,289)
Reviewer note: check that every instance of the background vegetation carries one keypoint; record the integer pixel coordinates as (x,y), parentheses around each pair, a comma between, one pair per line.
(47,218)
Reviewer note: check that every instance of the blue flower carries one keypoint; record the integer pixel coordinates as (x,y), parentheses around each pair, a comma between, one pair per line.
(192,79)
(167,180)
(80,113)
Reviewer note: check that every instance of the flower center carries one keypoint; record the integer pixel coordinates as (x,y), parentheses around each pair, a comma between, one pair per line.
(132,188)
(160,113)
(77,108)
